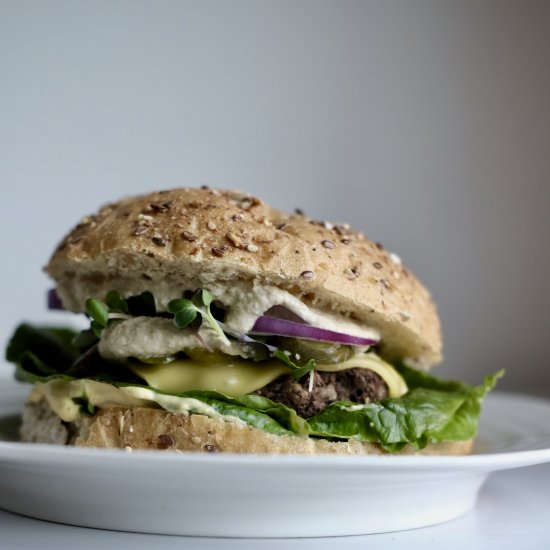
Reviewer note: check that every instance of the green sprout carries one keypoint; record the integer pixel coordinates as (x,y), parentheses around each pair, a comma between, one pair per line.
(297,371)
(185,311)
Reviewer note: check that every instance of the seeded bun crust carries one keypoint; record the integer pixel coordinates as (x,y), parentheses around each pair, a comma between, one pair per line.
(142,428)
(169,241)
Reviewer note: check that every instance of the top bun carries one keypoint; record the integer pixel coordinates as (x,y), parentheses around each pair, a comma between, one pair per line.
(170,241)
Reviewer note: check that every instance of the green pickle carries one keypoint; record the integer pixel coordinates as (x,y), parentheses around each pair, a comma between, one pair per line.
(323,352)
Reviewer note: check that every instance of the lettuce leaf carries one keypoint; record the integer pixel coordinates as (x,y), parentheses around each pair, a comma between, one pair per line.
(433,410)
(421,416)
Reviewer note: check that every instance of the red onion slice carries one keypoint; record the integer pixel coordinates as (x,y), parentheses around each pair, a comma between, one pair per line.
(282,327)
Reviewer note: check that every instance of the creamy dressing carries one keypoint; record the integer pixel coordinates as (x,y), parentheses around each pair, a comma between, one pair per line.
(246,303)
(60,395)
(156,337)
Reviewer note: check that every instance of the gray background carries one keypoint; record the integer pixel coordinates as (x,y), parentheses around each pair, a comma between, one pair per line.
(423,123)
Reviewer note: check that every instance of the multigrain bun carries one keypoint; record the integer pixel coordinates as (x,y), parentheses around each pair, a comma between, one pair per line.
(220,324)
(152,429)
(189,238)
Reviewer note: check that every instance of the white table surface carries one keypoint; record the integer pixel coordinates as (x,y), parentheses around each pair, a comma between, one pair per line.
(513,511)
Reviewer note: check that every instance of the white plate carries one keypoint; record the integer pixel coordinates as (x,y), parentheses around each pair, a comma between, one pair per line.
(261,496)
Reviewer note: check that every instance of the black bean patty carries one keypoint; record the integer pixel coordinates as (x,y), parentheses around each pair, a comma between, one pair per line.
(357,385)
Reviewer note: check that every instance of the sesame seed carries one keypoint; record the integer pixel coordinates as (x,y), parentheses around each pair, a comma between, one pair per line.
(395,258)
(246,205)
(405,315)
(307,274)
(345,241)
(327,225)
(211,225)
(281,226)
(379,246)
(140,230)
(377,265)
(237,217)
(188,236)
(218,252)
(252,247)
(328,244)
(235,240)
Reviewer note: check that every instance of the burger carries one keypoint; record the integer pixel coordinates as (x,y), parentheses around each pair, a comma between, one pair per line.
(220,324)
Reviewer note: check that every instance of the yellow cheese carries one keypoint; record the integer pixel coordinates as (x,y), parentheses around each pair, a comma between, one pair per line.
(226,374)
(234,376)
(396,385)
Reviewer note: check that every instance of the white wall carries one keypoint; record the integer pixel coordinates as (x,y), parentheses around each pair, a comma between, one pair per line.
(424,123)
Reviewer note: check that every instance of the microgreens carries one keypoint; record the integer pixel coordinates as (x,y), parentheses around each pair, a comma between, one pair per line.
(114,307)
(185,311)
(116,303)
(98,312)
(297,371)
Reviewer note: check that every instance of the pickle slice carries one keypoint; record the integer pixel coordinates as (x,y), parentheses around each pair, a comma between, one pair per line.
(322,352)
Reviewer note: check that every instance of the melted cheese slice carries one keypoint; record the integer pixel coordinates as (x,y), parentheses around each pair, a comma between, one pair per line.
(234,377)
(395,382)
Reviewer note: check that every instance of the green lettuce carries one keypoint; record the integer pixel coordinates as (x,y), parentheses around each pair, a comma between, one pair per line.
(433,410)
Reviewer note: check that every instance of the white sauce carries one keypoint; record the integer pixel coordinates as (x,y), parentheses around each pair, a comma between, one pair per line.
(158,337)
(247,303)
(60,394)
(150,337)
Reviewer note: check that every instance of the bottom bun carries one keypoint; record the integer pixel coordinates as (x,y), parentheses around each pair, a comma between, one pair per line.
(144,428)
